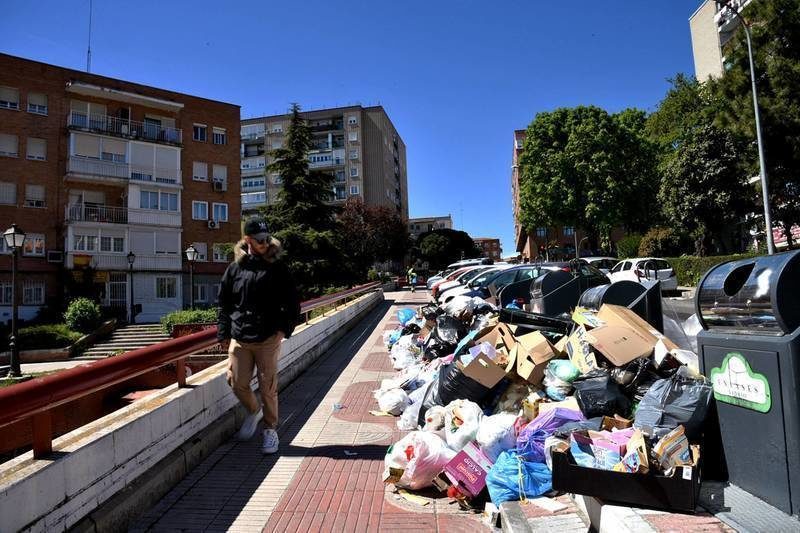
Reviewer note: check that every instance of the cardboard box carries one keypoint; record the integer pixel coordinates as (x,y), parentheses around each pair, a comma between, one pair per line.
(467,470)
(484,371)
(534,351)
(620,344)
(580,351)
(586,318)
(569,403)
(622,316)
(561,345)
(678,492)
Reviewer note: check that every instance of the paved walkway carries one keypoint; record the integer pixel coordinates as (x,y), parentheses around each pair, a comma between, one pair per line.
(327,475)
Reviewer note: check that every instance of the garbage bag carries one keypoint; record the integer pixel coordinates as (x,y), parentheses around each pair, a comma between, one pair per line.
(391,337)
(421,456)
(405,315)
(679,400)
(409,419)
(402,357)
(597,395)
(558,377)
(435,348)
(551,443)
(454,385)
(434,421)
(530,441)
(449,329)
(430,399)
(512,478)
(392,401)
(496,434)
(460,307)
(563,369)
(430,312)
(461,421)
(411,328)
(482,307)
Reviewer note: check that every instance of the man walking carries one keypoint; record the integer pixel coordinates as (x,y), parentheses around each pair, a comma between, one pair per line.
(411,276)
(258,308)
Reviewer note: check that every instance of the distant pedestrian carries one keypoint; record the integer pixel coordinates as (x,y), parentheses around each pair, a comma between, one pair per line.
(412,278)
(258,308)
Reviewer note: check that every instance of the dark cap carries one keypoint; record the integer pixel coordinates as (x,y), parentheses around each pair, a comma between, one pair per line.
(256,227)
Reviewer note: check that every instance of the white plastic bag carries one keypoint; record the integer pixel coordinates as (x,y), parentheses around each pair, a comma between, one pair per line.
(392,401)
(496,434)
(434,421)
(554,443)
(461,421)
(460,307)
(421,456)
(408,420)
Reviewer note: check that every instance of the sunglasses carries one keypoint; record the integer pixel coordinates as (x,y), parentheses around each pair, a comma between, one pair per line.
(260,241)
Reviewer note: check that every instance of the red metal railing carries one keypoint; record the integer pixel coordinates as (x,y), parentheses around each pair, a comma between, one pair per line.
(35,398)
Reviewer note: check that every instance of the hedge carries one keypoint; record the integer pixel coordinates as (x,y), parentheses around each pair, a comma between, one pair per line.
(690,268)
(47,336)
(188,316)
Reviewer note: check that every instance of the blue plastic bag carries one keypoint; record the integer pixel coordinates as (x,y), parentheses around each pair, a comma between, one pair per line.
(530,441)
(405,316)
(512,478)
(395,336)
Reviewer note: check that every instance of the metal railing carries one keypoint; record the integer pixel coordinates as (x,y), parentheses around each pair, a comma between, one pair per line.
(34,399)
(97,213)
(123,127)
(109,169)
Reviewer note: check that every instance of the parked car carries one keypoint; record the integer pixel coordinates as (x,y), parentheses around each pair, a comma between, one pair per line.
(603,264)
(450,277)
(461,279)
(519,292)
(499,278)
(464,288)
(646,268)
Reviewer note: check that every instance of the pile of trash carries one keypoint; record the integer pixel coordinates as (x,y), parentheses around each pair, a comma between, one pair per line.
(597,403)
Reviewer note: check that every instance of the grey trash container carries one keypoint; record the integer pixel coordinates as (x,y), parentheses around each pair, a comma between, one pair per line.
(750,350)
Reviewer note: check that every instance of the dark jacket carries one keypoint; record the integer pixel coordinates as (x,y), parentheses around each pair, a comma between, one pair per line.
(257,297)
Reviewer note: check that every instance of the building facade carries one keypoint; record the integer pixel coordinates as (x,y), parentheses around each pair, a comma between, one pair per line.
(418,226)
(711,27)
(100,173)
(358,145)
(490,247)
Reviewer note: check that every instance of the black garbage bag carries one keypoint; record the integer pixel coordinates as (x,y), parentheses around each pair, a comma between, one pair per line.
(629,375)
(430,312)
(479,322)
(592,424)
(449,329)
(599,395)
(454,385)
(435,348)
(430,399)
(410,328)
(679,400)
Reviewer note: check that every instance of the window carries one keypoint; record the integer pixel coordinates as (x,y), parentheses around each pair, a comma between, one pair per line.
(220,173)
(166,288)
(200,171)
(199,132)
(8,193)
(254,198)
(251,183)
(37,149)
(168,243)
(200,293)
(168,201)
(352,136)
(33,293)
(339,192)
(148,199)
(220,212)
(200,210)
(352,120)
(277,145)
(276,128)
(9,145)
(84,243)
(5,292)
(569,231)
(617,267)
(353,154)
(34,245)
(112,244)
(354,189)
(541,232)
(202,250)
(626,265)
(220,253)
(220,136)
(37,103)
(34,196)
(353,172)
(9,98)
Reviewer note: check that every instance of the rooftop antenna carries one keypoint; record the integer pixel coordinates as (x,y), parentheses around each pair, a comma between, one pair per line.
(89,45)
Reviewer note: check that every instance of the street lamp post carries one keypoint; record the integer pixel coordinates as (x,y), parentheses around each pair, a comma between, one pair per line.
(761,163)
(14,238)
(191,256)
(131,260)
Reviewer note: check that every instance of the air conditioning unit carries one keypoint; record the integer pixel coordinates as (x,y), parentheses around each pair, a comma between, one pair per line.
(219,185)
(213,224)
(55,256)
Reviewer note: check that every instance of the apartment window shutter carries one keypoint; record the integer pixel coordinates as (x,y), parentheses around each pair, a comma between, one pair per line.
(220,172)
(37,148)
(114,146)
(8,144)
(37,99)
(87,146)
(200,170)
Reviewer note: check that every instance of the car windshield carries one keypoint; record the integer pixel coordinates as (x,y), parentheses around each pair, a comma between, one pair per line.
(469,276)
(482,280)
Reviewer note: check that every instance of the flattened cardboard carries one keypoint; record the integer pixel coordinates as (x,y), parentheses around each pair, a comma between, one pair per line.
(468,469)
(484,371)
(579,350)
(586,318)
(569,403)
(622,316)
(532,357)
(620,344)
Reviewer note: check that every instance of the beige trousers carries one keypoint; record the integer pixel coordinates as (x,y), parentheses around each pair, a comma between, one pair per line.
(242,358)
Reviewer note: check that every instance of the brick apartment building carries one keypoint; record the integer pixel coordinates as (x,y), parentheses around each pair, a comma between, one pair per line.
(94,168)
(490,247)
(358,145)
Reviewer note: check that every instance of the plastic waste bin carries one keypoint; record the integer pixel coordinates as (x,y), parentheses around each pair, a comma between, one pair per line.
(750,350)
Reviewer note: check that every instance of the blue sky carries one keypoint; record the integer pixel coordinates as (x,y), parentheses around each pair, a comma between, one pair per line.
(456,77)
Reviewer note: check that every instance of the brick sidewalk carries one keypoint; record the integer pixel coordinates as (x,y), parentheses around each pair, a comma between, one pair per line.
(327,475)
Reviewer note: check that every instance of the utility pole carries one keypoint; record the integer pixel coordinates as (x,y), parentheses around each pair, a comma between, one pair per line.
(89,45)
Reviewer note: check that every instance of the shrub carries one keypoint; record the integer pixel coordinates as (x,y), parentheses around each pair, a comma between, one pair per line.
(372,275)
(628,246)
(47,336)
(188,316)
(689,268)
(83,315)
(660,242)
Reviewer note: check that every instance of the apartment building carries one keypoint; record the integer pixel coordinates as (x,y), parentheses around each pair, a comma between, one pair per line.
(358,145)
(711,27)
(490,247)
(417,226)
(111,181)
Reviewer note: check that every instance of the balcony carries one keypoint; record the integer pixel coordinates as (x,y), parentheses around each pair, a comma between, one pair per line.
(337,125)
(253,166)
(252,136)
(119,261)
(130,129)
(97,170)
(107,214)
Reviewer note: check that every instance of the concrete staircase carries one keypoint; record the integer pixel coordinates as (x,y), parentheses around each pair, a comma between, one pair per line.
(125,339)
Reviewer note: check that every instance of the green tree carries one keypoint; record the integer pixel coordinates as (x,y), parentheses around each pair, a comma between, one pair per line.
(586,168)
(301,218)
(775,28)
(441,247)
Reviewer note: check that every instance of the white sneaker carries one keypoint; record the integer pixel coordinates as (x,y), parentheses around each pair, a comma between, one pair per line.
(249,426)
(270,441)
